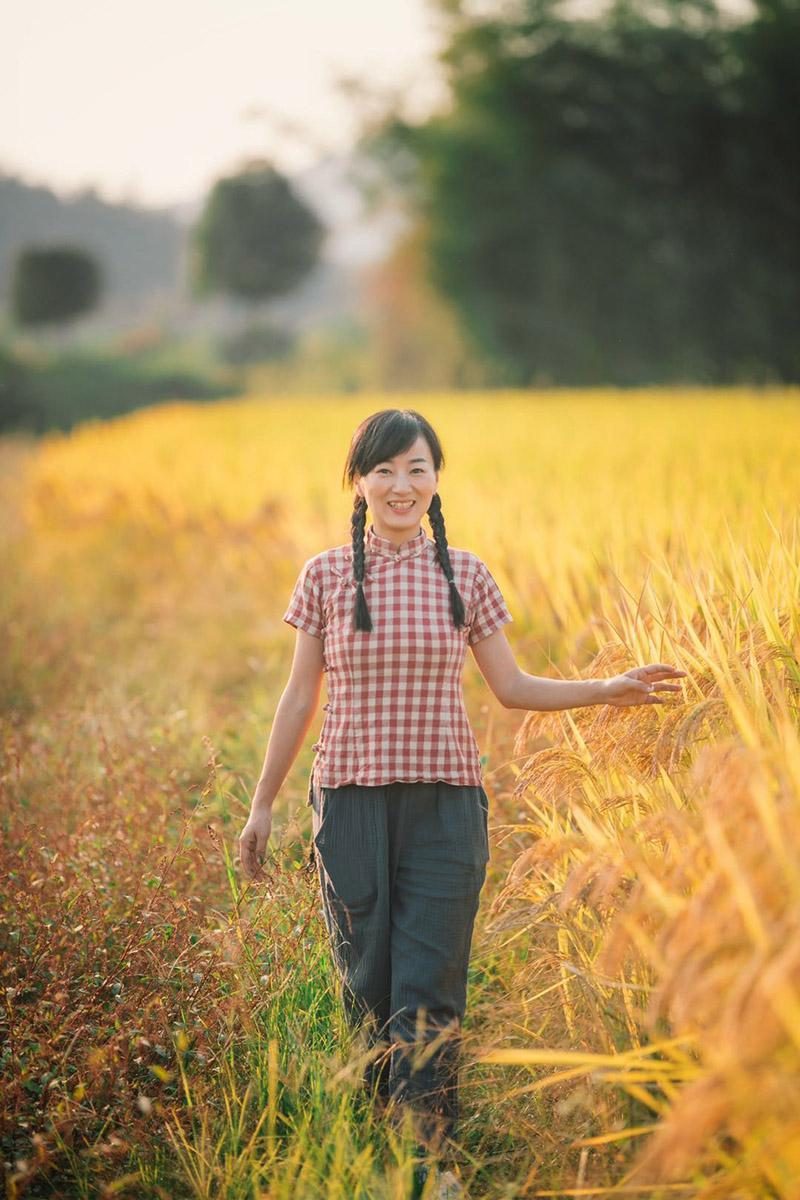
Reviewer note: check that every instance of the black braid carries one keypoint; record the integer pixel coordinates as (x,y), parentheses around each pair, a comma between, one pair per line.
(439,536)
(358,521)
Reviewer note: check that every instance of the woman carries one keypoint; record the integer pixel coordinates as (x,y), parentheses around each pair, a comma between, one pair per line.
(399,813)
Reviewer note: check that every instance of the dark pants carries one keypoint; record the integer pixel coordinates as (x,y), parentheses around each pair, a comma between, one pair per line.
(401,868)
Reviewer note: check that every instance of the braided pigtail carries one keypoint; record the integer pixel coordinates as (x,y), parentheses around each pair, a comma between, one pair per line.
(358,521)
(439,536)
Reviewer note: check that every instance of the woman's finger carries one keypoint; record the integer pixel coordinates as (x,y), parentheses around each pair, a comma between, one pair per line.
(247,853)
(656,669)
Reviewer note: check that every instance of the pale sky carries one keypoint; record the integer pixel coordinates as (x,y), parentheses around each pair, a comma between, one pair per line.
(152,101)
(149,101)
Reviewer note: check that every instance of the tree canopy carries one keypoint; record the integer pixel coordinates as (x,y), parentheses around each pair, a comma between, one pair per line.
(53,284)
(256,239)
(615,199)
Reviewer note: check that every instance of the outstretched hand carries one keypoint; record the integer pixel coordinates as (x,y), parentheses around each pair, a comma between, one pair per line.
(638,685)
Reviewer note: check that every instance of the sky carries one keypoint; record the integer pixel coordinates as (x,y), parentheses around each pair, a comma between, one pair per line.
(151,102)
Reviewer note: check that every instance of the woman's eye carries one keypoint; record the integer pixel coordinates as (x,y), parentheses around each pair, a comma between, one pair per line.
(385,470)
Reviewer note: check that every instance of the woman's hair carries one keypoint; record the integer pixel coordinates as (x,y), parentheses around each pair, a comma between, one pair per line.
(378,438)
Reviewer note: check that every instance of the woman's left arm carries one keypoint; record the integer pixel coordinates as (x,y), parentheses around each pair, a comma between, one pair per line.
(514,688)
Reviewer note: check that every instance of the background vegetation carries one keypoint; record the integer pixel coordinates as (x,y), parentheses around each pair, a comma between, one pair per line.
(606,200)
(614,199)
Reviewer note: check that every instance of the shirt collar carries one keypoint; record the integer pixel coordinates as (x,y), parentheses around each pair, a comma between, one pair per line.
(377,545)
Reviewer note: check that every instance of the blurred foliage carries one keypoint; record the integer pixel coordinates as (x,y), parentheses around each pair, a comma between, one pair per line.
(257,343)
(416,338)
(256,238)
(332,360)
(614,199)
(58,391)
(52,284)
(20,407)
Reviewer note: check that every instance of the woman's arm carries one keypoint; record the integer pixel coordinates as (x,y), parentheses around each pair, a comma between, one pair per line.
(293,716)
(516,689)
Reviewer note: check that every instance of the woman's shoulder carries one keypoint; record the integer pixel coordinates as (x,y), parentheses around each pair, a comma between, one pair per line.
(467,560)
(333,562)
(464,555)
(469,569)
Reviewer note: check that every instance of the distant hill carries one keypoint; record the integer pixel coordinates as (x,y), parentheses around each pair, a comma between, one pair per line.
(144,252)
(140,249)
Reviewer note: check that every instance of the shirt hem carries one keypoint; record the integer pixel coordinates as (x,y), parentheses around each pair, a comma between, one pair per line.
(471,782)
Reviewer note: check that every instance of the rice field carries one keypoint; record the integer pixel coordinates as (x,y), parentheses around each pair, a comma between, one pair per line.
(633,1022)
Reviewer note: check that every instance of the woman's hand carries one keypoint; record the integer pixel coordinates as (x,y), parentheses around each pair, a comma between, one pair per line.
(253,841)
(638,685)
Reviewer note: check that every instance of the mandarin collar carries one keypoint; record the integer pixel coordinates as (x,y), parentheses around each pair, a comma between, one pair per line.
(385,547)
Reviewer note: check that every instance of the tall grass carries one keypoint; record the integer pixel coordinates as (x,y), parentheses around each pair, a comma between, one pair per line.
(634,1007)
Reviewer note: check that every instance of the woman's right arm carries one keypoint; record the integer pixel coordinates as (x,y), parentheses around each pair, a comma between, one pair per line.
(293,716)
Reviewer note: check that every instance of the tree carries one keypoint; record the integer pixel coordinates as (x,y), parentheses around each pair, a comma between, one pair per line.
(53,284)
(616,199)
(256,239)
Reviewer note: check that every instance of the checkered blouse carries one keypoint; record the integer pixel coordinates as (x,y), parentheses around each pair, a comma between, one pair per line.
(395,709)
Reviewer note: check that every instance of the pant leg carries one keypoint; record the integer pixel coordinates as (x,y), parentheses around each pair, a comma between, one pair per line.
(401,868)
(350,842)
(439,841)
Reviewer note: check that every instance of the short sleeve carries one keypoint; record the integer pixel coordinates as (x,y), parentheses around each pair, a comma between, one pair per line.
(305,606)
(490,608)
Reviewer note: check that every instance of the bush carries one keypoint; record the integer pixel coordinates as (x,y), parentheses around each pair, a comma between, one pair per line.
(19,406)
(74,387)
(258,343)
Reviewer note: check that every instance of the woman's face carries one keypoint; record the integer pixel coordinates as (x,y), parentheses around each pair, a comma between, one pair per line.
(399,491)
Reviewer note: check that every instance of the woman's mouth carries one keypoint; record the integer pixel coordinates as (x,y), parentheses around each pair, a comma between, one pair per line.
(401,506)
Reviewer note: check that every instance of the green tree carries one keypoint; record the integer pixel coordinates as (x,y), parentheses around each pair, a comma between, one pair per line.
(53,284)
(615,199)
(256,239)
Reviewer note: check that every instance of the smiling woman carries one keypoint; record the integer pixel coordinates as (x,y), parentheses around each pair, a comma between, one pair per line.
(399,812)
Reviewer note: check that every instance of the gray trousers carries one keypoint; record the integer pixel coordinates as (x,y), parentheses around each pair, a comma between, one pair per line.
(401,869)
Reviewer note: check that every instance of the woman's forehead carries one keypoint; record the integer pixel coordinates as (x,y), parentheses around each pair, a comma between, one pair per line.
(418,452)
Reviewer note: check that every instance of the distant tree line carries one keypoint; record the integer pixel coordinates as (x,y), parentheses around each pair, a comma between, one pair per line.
(616,199)
(255,239)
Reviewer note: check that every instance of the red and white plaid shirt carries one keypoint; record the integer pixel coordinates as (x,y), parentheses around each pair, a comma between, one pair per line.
(395,708)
